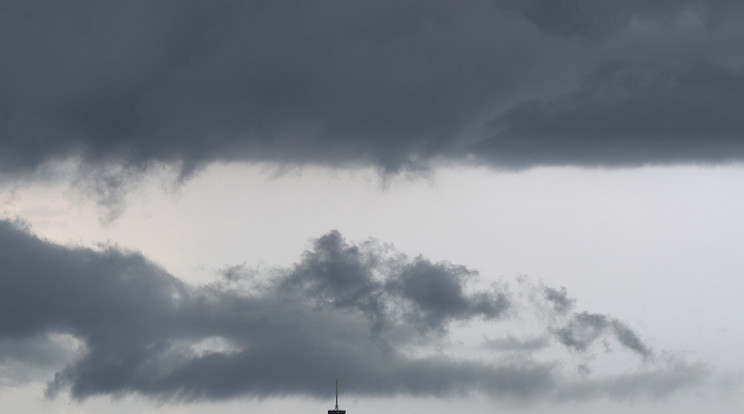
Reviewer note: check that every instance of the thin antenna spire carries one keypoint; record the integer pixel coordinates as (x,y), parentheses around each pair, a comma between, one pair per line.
(336,410)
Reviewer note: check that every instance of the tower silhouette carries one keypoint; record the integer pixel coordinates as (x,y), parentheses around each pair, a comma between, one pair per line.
(335,410)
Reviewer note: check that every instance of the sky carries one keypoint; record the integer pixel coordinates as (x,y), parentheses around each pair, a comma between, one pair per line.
(498,206)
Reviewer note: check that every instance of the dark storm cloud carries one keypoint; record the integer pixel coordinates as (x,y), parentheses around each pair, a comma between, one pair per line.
(123,325)
(29,358)
(599,18)
(630,116)
(386,83)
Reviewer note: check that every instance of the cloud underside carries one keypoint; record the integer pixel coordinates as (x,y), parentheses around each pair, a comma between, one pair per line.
(117,88)
(510,84)
(365,313)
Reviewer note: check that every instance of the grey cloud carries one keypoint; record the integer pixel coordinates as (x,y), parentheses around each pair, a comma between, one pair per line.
(599,18)
(432,294)
(343,310)
(436,291)
(584,328)
(628,117)
(628,338)
(340,275)
(384,83)
(328,82)
(580,330)
(559,298)
(512,343)
(653,384)
(26,359)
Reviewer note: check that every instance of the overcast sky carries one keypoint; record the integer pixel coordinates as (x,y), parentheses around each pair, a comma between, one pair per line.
(532,206)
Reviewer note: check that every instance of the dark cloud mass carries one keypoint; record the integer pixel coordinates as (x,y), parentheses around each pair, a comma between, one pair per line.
(387,83)
(112,322)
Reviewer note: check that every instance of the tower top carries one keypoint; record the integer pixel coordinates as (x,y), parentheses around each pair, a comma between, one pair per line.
(335,409)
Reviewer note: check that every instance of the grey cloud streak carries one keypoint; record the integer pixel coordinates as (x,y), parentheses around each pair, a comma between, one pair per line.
(342,310)
(584,328)
(510,84)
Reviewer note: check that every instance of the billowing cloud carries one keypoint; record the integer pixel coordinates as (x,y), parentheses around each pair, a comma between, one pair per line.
(112,322)
(385,83)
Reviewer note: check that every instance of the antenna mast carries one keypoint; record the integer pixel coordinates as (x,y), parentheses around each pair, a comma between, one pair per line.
(335,410)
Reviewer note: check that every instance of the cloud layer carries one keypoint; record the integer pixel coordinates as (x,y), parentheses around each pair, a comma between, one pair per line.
(385,83)
(379,319)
